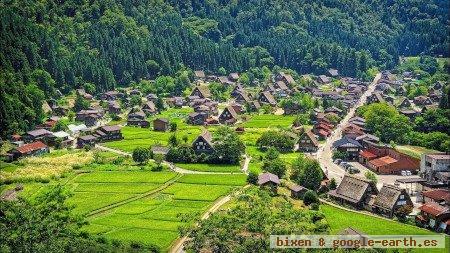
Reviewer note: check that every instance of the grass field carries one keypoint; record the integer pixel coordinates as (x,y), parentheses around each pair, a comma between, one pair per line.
(210,167)
(414,151)
(340,219)
(154,219)
(269,121)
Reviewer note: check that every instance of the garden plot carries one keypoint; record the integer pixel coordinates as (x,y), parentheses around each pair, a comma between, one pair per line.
(210,167)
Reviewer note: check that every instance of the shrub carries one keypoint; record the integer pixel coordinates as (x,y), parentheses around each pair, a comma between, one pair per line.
(141,155)
(252,177)
(310,197)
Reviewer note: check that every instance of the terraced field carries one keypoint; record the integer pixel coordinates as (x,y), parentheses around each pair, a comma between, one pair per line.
(144,206)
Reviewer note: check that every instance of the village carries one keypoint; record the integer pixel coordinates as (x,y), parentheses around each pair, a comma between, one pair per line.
(330,132)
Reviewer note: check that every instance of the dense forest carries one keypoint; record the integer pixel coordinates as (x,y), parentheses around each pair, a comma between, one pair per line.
(52,45)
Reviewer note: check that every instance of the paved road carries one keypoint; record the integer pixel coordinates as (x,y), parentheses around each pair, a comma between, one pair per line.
(324,154)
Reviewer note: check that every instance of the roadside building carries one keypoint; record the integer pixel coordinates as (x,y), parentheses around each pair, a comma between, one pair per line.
(349,146)
(308,142)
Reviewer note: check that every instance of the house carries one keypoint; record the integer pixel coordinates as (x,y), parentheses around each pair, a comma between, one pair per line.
(225,81)
(233,77)
(352,131)
(435,217)
(111,95)
(323,79)
(266,97)
(76,129)
(269,180)
(161,124)
(411,114)
(64,138)
(422,101)
(137,115)
(149,108)
(203,143)
(196,118)
(241,97)
(286,78)
(160,150)
(138,122)
(349,231)
(358,121)
(176,102)
(151,97)
(354,191)
(297,191)
(439,196)
(367,139)
(376,97)
(228,116)
(433,168)
(114,107)
(349,146)
(254,106)
(111,133)
(37,135)
(201,91)
(308,142)
(31,149)
(333,73)
(86,140)
(404,103)
(390,199)
(335,110)
(199,75)
(280,85)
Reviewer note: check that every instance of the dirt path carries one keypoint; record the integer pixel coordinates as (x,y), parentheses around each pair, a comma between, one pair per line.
(245,165)
(325,153)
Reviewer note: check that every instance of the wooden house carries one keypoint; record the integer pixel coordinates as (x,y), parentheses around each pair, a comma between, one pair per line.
(111,133)
(203,143)
(390,199)
(297,191)
(267,98)
(354,191)
(86,140)
(161,124)
(196,118)
(228,116)
(308,142)
(349,146)
(201,91)
(149,108)
(269,180)
(31,149)
(435,217)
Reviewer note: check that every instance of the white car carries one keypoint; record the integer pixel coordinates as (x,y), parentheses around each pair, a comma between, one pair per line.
(403,173)
(408,173)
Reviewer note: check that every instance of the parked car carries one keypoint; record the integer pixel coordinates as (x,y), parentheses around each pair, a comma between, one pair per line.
(337,161)
(408,173)
(403,173)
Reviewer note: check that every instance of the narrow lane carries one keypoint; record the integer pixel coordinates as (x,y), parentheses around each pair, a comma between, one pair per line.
(325,153)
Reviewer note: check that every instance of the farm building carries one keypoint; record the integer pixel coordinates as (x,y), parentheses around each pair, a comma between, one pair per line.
(390,199)
(161,124)
(30,149)
(269,180)
(308,142)
(228,116)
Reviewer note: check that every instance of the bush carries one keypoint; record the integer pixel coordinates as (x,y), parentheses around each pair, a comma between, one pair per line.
(314,206)
(252,177)
(141,155)
(279,140)
(333,184)
(310,197)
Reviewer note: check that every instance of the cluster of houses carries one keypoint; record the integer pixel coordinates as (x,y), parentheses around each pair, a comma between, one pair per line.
(361,146)
(392,90)
(433,195)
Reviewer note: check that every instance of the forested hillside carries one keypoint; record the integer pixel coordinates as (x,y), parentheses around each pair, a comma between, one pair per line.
(49,45)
